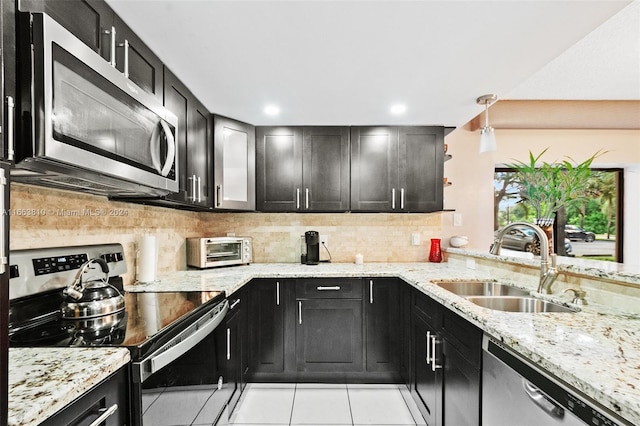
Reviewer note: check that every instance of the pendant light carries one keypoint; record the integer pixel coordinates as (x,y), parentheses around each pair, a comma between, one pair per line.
(487,134)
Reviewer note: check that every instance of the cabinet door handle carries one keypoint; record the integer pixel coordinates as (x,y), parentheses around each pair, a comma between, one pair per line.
(3,230)
(371,291)
(428,347)
(299,312)
(278,293)
(306,198)
(218,194)
(328,288)
(112,52)
(199,189)
(125,45)
(434,367)
(228,344)
(297,198)
(11,142)
(393,198)
(193,188)
(234,304)
(106,413)
(401,198)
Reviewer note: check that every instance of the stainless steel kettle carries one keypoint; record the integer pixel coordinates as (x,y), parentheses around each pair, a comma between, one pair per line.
(92,298)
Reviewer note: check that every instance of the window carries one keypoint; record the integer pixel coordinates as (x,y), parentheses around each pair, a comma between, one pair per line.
(592,226)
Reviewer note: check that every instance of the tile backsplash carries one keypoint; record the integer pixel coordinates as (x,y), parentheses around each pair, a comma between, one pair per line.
(43,217)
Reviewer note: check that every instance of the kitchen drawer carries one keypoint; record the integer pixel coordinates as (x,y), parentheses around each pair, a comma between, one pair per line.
(329,288)
(463,336)
(428,309)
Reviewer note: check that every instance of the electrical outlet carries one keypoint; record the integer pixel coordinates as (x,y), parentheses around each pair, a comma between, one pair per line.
(457,219)
(324,240)
(415,239)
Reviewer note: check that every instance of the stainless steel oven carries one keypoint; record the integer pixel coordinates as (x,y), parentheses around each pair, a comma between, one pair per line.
(84,124)
(177,340)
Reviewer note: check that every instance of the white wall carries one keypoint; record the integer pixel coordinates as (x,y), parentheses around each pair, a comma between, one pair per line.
(471,173)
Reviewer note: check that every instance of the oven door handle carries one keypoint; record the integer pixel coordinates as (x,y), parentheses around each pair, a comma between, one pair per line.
(172,350)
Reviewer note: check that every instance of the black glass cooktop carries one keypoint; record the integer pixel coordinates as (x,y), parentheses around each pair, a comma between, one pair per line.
(149,319)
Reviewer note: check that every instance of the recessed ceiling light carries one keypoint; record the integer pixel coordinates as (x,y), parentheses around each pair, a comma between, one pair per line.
(398,109)
(271,110)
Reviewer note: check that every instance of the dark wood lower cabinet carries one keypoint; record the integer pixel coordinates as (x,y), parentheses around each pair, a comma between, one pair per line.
(267,326)
(383,326)
(427,378)
(461,388)
(237,347)
(373,330)
(329,335)
(113,391)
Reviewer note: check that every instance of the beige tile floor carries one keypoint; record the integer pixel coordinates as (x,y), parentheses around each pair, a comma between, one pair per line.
(325,404)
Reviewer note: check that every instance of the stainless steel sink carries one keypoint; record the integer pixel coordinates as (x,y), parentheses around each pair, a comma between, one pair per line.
(518,304)
(481,288)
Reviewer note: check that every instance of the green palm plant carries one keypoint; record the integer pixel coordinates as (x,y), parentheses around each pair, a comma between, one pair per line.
(549,186)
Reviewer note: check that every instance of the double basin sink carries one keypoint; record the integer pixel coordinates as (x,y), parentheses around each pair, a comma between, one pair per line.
(501,297)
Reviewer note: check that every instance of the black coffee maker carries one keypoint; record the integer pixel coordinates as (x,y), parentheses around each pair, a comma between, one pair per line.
(311,248)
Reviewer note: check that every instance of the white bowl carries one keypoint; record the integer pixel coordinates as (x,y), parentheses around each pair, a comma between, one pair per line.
(458,241)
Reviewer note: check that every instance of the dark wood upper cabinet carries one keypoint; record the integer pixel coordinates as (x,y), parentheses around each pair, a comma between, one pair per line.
(193,139)
(97,26)
(234,164)
(374,169)
(302,169)
(278,168)
(136,60)
(325,168)
(397,169)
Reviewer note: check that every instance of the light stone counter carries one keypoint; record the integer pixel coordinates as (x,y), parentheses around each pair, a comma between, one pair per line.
(42,381)
(596,350)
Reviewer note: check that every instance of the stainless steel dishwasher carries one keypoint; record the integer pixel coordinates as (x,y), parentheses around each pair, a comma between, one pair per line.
(516,392)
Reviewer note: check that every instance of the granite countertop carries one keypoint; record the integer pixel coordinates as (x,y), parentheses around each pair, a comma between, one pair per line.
(596,350)
(42,381)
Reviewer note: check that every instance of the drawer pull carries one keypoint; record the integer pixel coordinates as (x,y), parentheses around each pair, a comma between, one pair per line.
(107,412)
(234,304)
(328,288)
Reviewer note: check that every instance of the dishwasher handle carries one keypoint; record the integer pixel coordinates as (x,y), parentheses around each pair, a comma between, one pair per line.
(542,400)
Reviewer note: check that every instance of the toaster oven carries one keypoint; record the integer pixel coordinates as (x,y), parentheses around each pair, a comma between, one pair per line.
(218,251)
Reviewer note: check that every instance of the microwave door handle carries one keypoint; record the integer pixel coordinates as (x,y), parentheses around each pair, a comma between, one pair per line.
(171,149)
(155,149)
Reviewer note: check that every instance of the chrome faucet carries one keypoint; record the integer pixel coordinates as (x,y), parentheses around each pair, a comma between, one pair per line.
(548,273)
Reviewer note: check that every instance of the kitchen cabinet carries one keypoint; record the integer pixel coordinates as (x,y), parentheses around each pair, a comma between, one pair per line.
(193,141)
(100,28)
(234,164)
(446,376)
(383,325)
(397,169)
(7,78)
(267,301)
(302,169)
(427,378)
(462,353)
(110,396)
(4,295)
(329,330)
(237,347)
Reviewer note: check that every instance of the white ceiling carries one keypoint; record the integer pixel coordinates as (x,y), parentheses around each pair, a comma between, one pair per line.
(346,62)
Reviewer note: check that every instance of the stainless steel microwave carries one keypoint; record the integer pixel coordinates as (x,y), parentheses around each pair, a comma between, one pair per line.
(84,125)
(219,251)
